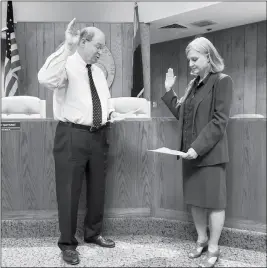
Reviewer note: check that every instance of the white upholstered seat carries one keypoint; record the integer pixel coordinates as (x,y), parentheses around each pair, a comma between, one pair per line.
(132,106)
(247,116)
(16,107)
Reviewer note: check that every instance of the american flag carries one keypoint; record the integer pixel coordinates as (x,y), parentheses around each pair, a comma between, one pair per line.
(12,63)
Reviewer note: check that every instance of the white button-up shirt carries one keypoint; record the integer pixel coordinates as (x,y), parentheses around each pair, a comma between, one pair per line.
(67,76)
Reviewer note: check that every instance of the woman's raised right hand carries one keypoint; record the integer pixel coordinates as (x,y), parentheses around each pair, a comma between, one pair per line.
(169,80)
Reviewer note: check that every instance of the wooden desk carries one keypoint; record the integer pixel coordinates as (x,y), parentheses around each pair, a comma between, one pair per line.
(139,183)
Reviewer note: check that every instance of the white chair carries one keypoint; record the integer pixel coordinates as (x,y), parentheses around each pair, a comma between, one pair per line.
(131,107)
(247,116)
(23,107)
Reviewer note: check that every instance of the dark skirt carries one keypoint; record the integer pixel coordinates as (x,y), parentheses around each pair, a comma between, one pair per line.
(204,186)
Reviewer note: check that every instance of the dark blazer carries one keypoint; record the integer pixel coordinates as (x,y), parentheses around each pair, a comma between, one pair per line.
(210,118)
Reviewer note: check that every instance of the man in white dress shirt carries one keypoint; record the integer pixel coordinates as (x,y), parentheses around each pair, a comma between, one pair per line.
(81,105)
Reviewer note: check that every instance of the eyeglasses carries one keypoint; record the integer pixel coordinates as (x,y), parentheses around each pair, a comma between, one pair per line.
(97,46)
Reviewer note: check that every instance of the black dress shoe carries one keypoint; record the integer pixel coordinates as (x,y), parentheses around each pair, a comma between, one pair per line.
(101,241)
(71,256)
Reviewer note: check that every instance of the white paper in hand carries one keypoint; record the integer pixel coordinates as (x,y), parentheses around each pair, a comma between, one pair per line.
(164,150)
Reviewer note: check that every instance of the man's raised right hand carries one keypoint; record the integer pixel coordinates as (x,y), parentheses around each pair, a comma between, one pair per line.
(72,36)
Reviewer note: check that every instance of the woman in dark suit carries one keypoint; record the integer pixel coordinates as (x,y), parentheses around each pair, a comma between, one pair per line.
(203,114)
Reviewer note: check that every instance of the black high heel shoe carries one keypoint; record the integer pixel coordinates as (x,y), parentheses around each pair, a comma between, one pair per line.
(205,261)
(197,253)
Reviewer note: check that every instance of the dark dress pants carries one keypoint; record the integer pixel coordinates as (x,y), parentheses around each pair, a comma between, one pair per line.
(78,152)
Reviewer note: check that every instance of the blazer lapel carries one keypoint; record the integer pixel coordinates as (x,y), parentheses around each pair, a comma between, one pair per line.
(189,89)
(204,92)
(181,119)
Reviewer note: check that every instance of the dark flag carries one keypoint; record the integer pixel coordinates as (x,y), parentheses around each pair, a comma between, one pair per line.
(12,63)
(137,77)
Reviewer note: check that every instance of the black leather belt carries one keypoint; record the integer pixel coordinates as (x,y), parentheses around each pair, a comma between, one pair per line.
(88,128)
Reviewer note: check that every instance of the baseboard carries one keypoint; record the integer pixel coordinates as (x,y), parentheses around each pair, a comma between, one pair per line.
(134,212)
(127,212)
(229,222)
(173,215)
(245,225)
(53,214)
(29,215)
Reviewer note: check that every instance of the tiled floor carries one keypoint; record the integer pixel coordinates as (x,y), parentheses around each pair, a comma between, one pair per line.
(130,251)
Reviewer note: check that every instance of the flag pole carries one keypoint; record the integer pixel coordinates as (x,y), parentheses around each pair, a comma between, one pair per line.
(137,59)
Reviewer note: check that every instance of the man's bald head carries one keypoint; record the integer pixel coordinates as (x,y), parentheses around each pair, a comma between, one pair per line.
(89,33)
(91,44)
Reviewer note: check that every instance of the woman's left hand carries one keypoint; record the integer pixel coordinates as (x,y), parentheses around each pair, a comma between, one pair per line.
(191,154)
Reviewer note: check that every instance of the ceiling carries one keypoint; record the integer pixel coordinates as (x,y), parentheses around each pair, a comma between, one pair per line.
(225,14)
(158,14)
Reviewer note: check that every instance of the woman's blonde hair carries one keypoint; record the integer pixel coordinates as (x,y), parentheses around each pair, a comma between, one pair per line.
(205,47)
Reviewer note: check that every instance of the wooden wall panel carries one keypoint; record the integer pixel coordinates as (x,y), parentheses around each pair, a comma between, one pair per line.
(243,49)
(105,28)
(116,50)
(188,71)
(219,42)
(236,169)
(10,169)
(82,25)
(145,36)
(255,170)
(28,167)
(261,69)
(223,43)
(157,81)
(170,184)
(49,199)
(31,59)
(169,61)
(60,29)
(250,86)
(227,51)
(127,48)
(21,42)
(121,175)
(211,36)
(145,163)
(128,182)
(40,56)
(182,67)
(45,32)
(246,173)
(32,154)
(238,54)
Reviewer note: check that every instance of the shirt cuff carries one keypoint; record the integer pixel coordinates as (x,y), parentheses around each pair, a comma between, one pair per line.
(109,116)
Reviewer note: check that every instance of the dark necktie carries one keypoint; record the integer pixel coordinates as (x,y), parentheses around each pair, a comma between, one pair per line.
(97,110)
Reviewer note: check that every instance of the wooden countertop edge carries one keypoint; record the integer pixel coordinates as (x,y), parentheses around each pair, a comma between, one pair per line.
(128,119)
